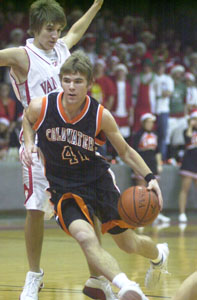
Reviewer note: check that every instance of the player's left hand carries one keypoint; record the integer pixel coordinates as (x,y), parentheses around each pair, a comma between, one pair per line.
(27,157)
(99,2)
(153,185)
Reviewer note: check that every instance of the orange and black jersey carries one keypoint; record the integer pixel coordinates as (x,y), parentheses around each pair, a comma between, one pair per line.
(146,144)
(189,163)
(190,142)
(69,146)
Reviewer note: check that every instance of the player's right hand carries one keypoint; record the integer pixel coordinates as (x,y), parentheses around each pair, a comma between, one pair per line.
(26,156)
(153,185)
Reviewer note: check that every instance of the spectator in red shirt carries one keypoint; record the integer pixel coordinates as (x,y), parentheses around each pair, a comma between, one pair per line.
(8,113)
(7,104)
(103,89)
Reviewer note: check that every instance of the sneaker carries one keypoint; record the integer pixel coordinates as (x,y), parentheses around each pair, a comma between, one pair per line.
(98,288)
(182,226)
(183,218)
(155,270)
(33,285)
(163,218)
(131,292)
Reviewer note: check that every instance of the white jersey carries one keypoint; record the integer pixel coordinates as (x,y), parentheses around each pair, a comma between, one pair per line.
(43,74)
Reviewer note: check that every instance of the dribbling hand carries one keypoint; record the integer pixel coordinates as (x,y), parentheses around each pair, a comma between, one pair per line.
(153,185)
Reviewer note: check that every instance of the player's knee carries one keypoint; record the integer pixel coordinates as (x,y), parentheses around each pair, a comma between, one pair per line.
(85,238)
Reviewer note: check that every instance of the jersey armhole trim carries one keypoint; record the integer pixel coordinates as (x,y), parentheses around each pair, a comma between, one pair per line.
(42,114)
(99,119)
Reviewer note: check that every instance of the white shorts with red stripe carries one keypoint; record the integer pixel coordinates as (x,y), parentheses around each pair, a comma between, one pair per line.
(35,185)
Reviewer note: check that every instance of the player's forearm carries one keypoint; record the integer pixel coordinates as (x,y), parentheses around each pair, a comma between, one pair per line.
(136,162)
(28,132)
(79,28)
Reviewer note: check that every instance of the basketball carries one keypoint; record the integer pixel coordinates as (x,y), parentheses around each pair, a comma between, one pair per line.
(138,206)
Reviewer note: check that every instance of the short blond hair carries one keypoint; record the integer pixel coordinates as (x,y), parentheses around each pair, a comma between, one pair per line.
(78,62)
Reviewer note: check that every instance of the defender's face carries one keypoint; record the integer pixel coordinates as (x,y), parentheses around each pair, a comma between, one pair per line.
(75,88)
(48,36)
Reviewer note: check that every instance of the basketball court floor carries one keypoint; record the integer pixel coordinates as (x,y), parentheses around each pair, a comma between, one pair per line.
(65,267)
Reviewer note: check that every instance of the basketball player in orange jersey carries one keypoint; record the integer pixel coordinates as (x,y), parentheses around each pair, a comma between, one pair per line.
(35,72)
(69,125)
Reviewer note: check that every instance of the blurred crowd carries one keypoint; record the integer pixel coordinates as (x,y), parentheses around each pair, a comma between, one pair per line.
(138,69)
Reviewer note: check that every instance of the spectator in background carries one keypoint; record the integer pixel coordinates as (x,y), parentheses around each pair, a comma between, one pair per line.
(16,40)
(102,89)
(89,46)
(104,50)
(7,104)
(8,112)
(147,38)
(127,30)
(122,53)
(161,52)
(123,107)
(4,137)
(177,120)
(164,86)
(112,62)
(187,51)
(191,92)
(188,169)
(15,19)
(175,52)
(145,142)
(143,93)
(139,50)
(193,64)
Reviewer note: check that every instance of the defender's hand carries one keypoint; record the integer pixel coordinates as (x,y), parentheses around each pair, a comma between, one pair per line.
(26,156)
(98,2)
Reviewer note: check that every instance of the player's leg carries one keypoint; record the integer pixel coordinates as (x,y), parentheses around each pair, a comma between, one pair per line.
(185,186)
(102,261)
(130,242)
(36,204)
(187,290)
(34,231)
(73,220)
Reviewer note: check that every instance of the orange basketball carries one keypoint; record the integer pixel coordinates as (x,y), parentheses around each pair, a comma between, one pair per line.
(138,206)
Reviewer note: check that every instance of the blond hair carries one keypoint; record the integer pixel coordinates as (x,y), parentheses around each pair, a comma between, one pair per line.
(78,62)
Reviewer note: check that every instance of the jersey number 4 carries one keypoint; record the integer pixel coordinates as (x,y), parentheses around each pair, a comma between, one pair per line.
(68,154)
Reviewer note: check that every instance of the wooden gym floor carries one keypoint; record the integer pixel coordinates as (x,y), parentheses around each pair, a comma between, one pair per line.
(65,267)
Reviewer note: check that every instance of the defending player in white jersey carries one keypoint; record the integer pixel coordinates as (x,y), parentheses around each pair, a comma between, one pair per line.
(34,71)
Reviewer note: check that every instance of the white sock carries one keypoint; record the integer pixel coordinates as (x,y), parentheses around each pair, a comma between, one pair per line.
(159,257)
(121,280)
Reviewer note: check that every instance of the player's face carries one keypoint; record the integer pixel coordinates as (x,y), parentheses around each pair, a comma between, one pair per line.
(75,88)
(48,36)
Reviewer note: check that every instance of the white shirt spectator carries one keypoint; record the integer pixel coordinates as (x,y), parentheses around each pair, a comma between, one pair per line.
(191,96)
(163,83)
